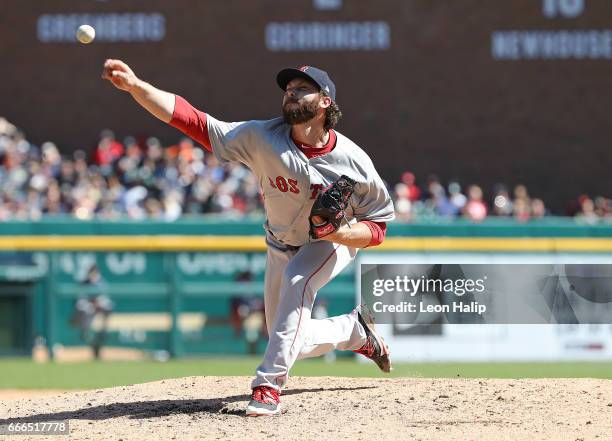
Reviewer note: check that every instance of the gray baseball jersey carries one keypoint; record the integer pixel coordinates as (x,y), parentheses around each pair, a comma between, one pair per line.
(290,181)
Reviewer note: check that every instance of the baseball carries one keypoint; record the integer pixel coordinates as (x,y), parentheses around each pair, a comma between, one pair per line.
(85,34)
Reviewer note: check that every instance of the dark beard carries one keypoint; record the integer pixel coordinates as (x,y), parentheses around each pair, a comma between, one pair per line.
(303,113)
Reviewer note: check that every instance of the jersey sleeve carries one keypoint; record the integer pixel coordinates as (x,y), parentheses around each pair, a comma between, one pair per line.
(233,141)
(378,230)
(190,121)
(373,201)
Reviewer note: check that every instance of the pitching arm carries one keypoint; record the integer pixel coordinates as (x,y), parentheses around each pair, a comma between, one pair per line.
(363,234)
(170,108)
(357,236)
(156,101)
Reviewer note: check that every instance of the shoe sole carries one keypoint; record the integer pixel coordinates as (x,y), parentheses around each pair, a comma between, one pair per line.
(257,412)
(368,319)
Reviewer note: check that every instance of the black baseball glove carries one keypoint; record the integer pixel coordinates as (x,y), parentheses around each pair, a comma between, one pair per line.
(329,209)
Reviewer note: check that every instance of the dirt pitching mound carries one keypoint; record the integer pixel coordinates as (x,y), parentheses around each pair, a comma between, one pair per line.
(326,408)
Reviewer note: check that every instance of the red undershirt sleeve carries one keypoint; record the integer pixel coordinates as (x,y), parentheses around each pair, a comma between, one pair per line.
(379,231)
(190,121)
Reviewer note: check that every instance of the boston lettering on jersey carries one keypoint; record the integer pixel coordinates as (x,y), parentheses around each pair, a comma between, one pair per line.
(283,184)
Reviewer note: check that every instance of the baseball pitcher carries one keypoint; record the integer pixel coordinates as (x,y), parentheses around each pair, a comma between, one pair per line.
(323,200)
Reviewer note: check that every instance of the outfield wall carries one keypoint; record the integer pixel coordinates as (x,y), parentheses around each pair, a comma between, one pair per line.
(172,283)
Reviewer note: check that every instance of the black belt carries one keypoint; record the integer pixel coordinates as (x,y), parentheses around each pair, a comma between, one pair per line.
(281,246)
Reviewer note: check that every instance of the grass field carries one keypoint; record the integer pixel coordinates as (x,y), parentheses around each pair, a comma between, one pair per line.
(25,374)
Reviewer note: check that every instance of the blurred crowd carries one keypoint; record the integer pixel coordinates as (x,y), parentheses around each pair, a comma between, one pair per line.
(141,179)
(435,200)
(119,179)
